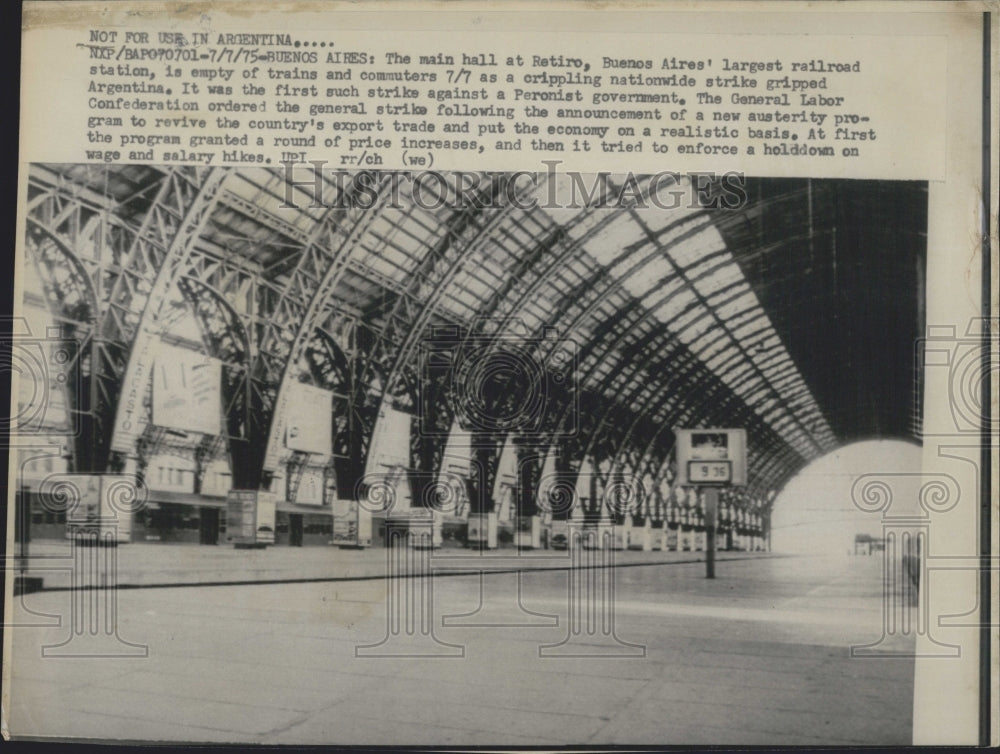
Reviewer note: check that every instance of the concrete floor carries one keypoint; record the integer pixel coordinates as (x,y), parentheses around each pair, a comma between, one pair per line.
(760,655)
(58,562)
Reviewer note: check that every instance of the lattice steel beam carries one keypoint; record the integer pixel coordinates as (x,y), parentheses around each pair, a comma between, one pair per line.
(130,269)
(412,313)
(289,327)
(159,255)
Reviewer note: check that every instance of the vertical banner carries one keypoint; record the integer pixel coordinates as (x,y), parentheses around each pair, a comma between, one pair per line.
(389,456)
(309,419)
(390,444)
(187,390)
(130,419)
(312,481)
(506,476)
(456,466)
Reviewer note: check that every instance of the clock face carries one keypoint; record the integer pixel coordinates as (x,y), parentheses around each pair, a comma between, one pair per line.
(709,472)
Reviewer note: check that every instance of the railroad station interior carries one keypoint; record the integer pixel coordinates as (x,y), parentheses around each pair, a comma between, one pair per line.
(524,363)
(422,439)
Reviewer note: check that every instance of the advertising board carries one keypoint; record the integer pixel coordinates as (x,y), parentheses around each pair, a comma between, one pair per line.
(250,517)
(352,524)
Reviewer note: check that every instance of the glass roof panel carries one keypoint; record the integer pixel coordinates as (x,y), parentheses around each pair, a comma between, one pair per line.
(693,248)
(607,242)
(739,300)
(721,283)
(641,279)
(675,304)
(564,195)
(716,362)
(683,321)
(672,195)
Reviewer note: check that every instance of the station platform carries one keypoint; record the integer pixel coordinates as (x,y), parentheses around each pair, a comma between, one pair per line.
(761,655)
(162,565)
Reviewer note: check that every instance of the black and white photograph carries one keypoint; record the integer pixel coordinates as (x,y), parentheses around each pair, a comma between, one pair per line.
(319,450)
(431,390)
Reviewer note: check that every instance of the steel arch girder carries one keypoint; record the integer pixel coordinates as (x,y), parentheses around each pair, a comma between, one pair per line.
(165,243)
(410,316)
(635,306)
(572,247)
(299,310)
(134,266)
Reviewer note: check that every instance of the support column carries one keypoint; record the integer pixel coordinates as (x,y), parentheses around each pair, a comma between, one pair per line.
(527,522)
(483,524)
(724,526)
(711,509)
(657,524)
(641,534)
(686,532)
(698,536)
(618,498)
(672,535)
(594,524)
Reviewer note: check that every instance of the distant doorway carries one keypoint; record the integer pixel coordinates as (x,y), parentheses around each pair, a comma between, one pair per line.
(295,529)
(209,526)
